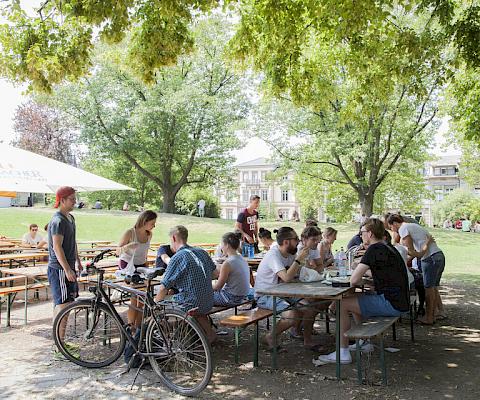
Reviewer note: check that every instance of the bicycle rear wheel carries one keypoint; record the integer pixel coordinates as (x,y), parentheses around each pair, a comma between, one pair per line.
(88,336)
(184,360)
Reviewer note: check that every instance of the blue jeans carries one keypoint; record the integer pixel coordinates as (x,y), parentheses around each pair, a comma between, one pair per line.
(432,269)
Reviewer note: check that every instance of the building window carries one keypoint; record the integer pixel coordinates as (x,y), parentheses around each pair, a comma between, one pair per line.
(229,195)
(245,177)
(245,195)
(283,215)
(284,195)
(255,177)
(438,193)
(285,178)
(263,176)
(450,189)
(445,171)
(229,213)
(264,195)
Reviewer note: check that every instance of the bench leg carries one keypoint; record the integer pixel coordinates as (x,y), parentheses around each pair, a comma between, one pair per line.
(9,308)
(337,337)
(358,355)
(394,331)
(25,298)
(274,333)
(255,356)
(237,340)
(412,334)
(382,361)
(327,322)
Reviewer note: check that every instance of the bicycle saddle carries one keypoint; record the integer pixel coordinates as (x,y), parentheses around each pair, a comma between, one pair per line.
(150,273)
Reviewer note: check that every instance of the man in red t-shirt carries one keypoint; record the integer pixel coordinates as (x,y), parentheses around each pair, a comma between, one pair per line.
(247,221)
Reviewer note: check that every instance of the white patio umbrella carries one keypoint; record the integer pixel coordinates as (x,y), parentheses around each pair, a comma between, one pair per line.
(24,171)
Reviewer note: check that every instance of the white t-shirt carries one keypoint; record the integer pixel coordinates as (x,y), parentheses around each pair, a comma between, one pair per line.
(312,254)
(201,204)
(419,237)
(272,263)
(32,241)
(404,253)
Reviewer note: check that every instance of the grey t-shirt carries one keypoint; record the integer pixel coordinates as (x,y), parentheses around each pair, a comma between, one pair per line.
(61,225)
(272,263)
(238,282)
(419,236)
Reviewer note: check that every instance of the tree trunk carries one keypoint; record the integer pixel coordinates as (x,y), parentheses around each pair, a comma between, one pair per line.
(366,202)
(168,200)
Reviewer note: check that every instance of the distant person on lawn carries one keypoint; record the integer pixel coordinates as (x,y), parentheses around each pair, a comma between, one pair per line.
(63,251)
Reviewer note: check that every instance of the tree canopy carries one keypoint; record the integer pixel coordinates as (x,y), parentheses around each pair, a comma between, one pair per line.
(55,40)
(176,131)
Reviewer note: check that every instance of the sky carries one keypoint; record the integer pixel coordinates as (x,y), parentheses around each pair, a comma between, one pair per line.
(12,97)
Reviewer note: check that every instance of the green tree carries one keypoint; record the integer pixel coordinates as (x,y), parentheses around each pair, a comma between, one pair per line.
(56,40)
(179,130)
(460,203)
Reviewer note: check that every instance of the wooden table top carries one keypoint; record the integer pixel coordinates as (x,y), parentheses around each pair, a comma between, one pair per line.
(306,290)
(4,244)
(23,256)
(29,272)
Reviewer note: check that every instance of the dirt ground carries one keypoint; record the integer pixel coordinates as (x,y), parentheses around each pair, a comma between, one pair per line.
(441,364)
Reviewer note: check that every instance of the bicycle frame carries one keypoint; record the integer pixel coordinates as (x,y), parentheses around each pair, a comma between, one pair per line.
(148,306)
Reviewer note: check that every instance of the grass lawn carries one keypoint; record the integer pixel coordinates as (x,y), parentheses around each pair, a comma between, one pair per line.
(461,249)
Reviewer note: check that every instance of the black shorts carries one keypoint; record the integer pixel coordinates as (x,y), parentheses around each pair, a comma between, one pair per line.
(63,291)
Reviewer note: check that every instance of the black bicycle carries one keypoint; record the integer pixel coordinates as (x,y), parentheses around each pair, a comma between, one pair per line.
(91,333)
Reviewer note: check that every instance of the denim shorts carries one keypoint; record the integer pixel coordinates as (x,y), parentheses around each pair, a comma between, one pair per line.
(432,269)
(223,298)
(282,304)
(376,305)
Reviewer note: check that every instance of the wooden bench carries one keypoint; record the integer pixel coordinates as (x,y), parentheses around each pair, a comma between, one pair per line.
(242,321)
(373,327)
(10,291)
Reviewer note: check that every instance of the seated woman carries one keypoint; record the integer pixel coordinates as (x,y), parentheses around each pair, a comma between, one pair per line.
(233,283)
(265,237)
(325,247)
(219,256)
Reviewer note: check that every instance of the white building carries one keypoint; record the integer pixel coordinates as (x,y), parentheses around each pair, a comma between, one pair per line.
(441,178)
(277,196)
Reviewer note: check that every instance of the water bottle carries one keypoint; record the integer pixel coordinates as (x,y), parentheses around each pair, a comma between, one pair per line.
(251,251)
(342,263)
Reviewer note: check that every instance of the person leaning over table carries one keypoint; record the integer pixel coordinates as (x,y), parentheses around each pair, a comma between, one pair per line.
(283,263)
(190,272)
(391,296)
(134,244)
(63,252)
(414,237)
(233,277)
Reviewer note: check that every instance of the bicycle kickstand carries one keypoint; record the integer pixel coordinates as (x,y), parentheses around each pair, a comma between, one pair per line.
(138,372)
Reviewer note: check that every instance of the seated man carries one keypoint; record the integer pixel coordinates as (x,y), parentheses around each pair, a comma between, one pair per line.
(283,263)
(190,272)
(164,254)
(33,238)
(391,297)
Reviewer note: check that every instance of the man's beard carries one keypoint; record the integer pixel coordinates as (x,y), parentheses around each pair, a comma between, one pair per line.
(292,249)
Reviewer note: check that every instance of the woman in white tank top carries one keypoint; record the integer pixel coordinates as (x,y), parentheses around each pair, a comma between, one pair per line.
(135,243)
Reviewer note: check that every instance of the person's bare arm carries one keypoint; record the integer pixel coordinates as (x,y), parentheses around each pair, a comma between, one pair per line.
(125,244)
(162,293)
(408,243)
(294,269)
(165,258)
(238,226)
(57,241)
(223,276)
(357,276)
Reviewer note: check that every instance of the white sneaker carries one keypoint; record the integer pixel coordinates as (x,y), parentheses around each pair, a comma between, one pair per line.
(365,347)
(332,358)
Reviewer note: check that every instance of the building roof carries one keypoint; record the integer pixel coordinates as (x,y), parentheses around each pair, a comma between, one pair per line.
(446,160)
(257,162)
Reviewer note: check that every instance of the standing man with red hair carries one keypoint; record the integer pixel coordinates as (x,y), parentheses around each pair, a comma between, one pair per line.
(62,250)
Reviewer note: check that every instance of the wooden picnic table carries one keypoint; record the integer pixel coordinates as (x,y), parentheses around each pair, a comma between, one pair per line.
(95,243)
(311,291)
(5,244)
(21,258)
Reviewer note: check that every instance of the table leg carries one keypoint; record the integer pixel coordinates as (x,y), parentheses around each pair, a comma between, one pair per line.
(9,306)
(337,336)
(274,330)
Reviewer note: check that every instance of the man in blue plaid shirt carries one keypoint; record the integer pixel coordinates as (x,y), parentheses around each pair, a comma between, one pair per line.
(190,273)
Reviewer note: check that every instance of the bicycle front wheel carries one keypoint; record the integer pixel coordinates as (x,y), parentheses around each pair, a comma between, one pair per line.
(88,335)
(183,359)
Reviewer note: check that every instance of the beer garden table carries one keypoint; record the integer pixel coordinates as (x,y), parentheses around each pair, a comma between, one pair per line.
(310,291)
